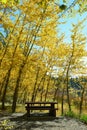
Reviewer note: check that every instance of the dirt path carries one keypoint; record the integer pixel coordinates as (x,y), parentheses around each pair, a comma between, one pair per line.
(60,123)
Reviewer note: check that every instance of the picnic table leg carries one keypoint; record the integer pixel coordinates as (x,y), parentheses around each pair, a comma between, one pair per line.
(52,112)
(28,110)
(28,113)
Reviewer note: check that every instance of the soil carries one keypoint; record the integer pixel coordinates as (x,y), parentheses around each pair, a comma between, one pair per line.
(20,121)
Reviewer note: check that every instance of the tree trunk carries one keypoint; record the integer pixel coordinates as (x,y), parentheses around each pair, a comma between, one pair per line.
(81,101)
(62,103)
(2,87)
(46,93)
(15,95)
(5,88)
(68,97)
(42,90)
(34,89)
(47,89)
(38,87)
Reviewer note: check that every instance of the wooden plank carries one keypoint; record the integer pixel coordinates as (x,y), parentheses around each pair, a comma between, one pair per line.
(40,108)
(40,102)
(45,107)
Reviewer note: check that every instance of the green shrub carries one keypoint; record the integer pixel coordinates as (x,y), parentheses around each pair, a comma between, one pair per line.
(83,118)
(70,114)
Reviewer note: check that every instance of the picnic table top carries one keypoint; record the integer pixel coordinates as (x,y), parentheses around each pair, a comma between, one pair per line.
(41,102)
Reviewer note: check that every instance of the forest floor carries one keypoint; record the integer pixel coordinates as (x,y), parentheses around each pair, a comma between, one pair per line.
(19,121)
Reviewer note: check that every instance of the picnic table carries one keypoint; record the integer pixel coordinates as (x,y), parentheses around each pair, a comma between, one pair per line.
(41,106)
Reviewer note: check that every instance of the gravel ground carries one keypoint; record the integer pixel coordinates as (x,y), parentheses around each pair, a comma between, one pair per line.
(20,122)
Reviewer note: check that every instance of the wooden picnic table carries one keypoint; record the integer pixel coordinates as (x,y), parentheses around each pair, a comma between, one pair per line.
(41,106)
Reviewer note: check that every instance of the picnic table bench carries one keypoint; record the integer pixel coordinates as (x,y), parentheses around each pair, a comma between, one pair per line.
(41,106)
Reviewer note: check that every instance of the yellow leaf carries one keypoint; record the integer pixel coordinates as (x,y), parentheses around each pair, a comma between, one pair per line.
(4,1)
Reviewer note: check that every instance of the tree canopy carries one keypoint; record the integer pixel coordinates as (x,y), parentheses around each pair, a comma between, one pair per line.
(31,49)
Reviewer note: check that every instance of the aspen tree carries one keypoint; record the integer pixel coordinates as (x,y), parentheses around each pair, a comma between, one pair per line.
(45,13)
(78,42)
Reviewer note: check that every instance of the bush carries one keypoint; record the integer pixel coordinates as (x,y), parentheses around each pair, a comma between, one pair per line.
(83,118)
(70,114)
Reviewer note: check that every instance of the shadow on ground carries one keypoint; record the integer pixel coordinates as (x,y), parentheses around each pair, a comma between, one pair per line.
(23,122)
(33,117)
(41,121)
